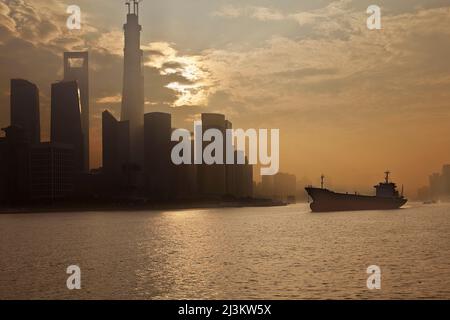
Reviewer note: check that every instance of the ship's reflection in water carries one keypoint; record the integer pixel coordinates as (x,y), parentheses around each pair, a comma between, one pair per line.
(245,253)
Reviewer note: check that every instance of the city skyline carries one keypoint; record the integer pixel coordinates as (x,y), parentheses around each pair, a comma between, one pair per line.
(245,155)
(138,165)
(332,120)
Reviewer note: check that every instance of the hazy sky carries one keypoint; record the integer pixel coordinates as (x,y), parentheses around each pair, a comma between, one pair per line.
(349,102)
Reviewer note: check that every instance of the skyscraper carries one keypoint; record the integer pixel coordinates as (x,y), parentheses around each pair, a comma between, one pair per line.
(285,185)
(116,151)
(133,82)
(212,178)
(157,148)
(3,169)
(230,169)
(25,109)
(15,158)
(446,181)
(66,119)
(51,171)
(76,68)
(184,182)
(243,177)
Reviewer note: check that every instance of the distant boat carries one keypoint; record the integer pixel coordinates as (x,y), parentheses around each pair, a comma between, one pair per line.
(387,198)
(430,202)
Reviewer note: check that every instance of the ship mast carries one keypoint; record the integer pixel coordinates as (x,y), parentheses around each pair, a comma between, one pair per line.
(387,176)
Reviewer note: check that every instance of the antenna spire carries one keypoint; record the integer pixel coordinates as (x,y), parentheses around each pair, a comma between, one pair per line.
(135,6)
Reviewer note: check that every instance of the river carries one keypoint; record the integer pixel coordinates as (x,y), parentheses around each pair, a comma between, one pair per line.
(230,253)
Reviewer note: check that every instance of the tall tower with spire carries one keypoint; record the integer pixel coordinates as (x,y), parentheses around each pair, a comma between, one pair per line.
(133,82)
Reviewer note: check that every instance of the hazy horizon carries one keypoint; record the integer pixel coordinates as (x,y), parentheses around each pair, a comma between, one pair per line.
(349,102)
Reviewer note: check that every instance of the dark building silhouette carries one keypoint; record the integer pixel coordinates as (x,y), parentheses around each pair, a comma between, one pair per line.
(133,83)
(435,186)
(243,178)
(157,159)
(184,177)
(66,120)
(212,178)
(76,68)
(282,187)
(3,170)
(116,153)
(230,170)
(25,109)
(51,172)
(446,182)
(285,186)
(15,153)
(439,185)
(267,186)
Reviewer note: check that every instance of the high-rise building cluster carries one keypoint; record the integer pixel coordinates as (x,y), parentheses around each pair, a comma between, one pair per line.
(159,179)
(282,187)
(136,151)
(438,187)
(32,170)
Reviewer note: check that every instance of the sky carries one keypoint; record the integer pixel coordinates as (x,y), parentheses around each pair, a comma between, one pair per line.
(349,102)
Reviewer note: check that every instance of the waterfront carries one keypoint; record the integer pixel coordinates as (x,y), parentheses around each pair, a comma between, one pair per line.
(230,253)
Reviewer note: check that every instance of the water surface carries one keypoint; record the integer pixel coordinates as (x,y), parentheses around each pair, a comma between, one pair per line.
(238,253)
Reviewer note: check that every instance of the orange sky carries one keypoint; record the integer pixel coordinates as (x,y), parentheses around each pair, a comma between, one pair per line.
(349,102)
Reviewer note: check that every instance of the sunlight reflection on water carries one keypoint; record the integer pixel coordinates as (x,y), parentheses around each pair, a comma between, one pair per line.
(241,253)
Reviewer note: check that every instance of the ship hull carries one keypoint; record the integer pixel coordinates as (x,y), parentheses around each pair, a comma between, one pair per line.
(326,201)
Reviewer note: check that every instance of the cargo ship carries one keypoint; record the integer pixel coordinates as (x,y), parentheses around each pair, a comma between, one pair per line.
(386,197)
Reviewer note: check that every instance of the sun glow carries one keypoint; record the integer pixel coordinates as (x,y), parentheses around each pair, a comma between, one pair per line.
(196,87)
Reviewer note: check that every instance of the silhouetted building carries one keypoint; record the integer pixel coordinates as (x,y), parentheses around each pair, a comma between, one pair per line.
(212,178)
(446,182)
(184,178)
(267,186)
(157,160)
(25,109)
(76,68)
(116,153)
(133,83)
(3,170)
(51,171)
(66,120)
(230,169)
(435,186)
(15,153)
(243,178)
(284,186)
(439,188)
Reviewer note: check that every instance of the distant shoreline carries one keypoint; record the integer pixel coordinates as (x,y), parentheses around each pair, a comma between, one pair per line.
(64,208)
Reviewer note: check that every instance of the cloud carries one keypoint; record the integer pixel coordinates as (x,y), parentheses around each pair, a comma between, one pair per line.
(184,74)
(253,12)
(110,99)
(340,63)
